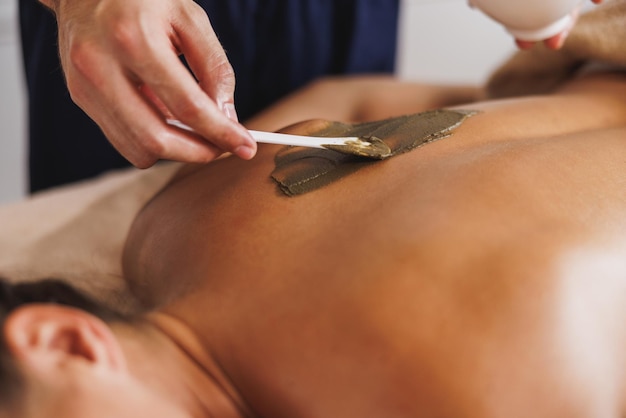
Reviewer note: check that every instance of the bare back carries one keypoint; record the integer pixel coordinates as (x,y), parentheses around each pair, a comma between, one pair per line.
(480,275)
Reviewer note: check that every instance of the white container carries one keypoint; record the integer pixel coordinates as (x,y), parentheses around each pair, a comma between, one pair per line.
(530,20)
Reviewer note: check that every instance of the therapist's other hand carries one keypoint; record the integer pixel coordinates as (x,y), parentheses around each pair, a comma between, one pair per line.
(557,41)
(122,67)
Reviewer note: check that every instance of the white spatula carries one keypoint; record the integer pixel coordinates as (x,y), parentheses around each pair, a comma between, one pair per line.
(347,145)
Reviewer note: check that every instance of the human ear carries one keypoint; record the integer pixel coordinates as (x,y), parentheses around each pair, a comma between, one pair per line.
(48,336)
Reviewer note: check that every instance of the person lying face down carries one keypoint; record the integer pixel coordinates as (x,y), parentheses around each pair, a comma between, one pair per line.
(480,274)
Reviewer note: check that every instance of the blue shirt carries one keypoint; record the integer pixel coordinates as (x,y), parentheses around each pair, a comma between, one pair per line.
(275,47)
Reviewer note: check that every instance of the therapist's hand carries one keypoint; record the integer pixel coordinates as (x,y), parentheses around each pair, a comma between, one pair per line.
(557,41)
(122,67)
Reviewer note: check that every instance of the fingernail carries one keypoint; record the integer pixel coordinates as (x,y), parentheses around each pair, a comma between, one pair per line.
(230,111)
(524,44)
(556,42)
(246,151)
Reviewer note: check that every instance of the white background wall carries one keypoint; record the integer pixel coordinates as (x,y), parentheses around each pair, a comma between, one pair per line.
(446,41)
(12,107)
(441,41)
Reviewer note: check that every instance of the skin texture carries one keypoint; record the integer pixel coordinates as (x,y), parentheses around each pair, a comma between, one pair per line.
(81,237)
(479,276)
(121,64)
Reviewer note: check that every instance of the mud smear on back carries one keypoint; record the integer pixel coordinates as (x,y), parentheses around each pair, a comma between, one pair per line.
(301,170)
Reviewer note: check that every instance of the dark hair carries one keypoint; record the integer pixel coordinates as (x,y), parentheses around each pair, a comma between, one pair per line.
(51,291)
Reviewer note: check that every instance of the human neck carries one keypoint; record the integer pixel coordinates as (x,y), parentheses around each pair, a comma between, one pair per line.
(166,354)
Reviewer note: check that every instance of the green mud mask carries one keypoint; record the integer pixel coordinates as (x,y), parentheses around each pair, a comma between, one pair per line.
(301,170)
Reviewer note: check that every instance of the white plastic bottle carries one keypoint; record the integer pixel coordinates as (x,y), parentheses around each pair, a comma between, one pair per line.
(530,20)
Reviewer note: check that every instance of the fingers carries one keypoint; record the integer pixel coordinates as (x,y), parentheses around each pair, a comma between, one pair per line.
(122,67)
(524,44)
(175,87)
(132,125)
(150,56)
(205,54)
(200,106)
(555,42)
(156,102)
